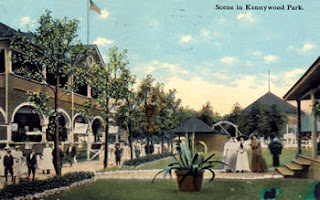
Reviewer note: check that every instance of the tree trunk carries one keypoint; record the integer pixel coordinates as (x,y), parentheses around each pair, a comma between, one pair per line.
(148,144)
(162,142)
(171,141)
(56,138)
(130,141)
(105,162)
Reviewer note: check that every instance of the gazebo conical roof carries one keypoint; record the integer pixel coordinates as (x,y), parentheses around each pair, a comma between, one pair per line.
(191,125)
(270,99)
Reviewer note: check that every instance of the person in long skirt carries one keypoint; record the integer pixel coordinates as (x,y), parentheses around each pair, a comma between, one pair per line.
(242,156)
(46,162)
(2,154)
(17,164)
(230,154)
(257,163)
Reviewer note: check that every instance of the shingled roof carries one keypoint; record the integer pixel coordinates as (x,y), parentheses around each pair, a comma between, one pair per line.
(270,99)
(193,124)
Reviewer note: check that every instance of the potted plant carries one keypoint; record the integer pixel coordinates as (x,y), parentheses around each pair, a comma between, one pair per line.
(190,165)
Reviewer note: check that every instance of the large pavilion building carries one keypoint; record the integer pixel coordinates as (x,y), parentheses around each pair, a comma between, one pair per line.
(269,99)
(20,123)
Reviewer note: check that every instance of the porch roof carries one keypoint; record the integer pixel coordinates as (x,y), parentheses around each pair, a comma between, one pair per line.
(309,81)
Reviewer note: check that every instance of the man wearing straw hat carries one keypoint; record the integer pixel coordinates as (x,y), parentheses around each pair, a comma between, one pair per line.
(8,163)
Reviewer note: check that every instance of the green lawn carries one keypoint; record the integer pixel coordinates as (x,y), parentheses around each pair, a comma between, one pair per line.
(287,155)
(166,189)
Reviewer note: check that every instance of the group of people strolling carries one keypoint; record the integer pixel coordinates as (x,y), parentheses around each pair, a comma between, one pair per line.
(14,162)
(236,157)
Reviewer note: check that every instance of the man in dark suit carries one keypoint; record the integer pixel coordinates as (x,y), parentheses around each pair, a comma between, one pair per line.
(55,158)
(71,153)
(32,163)
(8,164)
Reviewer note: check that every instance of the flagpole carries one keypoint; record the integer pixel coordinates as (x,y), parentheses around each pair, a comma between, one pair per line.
(88,20)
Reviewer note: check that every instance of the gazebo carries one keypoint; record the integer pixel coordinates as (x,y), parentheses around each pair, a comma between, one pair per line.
(203,132)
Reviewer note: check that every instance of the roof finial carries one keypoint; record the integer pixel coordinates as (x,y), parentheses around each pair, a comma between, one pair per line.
(269,80)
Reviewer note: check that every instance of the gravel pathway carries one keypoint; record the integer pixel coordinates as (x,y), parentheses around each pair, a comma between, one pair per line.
(149,174)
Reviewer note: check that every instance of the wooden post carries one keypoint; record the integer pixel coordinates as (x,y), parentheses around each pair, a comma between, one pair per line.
(298,136)
(314,127)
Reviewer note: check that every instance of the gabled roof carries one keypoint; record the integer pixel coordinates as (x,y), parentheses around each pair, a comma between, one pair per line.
(310,80)
(191,125)
(7,32)
(270,99)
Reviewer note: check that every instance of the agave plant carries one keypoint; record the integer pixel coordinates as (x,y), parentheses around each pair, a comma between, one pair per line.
(190,160)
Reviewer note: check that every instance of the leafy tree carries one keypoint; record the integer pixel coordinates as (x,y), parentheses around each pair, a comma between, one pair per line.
(110,86)
(265,120)
(238,117)
(52,51)
(128,115)
(148,96)
(207,115)
(167,118)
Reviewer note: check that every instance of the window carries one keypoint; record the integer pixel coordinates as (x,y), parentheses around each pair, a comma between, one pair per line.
(25,69)
(2,61)
(52,80)
(82,89)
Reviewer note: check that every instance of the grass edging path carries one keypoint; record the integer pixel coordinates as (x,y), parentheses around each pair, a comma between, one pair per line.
(166,189)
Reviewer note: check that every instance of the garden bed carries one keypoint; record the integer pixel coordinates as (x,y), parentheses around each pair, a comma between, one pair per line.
(41,188)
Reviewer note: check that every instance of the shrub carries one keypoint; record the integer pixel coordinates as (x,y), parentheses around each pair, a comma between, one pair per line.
(145,159)
(26,187)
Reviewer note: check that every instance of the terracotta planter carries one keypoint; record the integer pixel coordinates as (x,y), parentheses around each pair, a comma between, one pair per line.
(188,185)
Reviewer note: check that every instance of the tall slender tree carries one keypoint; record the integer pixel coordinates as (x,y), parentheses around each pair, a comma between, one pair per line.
(148,95)
(53,52)
(167,118)
(110,86)
(127,113)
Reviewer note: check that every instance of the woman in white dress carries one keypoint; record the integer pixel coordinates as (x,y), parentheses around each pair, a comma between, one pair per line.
(230,154)
(46,163)
(2,154)
(242,156)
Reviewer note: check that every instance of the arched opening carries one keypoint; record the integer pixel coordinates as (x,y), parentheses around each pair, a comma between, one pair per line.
(27,125)
(97,130)
(2,116)
(80,128)
(63,128)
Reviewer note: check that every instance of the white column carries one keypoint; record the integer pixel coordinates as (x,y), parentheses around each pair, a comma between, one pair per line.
(8,70)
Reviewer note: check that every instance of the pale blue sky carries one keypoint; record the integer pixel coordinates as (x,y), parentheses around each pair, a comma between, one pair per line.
(206,54)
